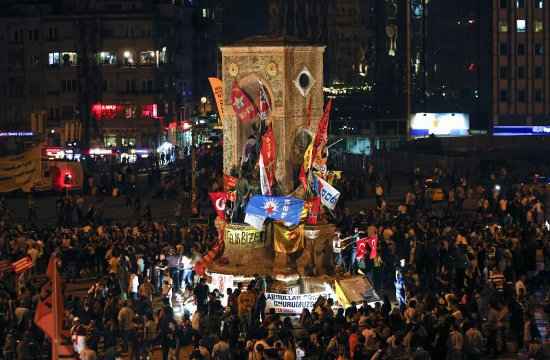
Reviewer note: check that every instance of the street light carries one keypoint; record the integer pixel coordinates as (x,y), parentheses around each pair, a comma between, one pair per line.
(204,100)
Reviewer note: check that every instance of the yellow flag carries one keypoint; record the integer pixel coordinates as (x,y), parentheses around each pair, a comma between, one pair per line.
(217,89)
(308,157)
(288,240)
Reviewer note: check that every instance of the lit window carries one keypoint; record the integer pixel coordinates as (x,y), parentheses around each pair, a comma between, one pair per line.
(521,25)
(54,58)
(204,13)
(128,58)
(520,4)
(163,58)
(538,26)
(538,95)
(540,4)
(107,58)
(147,58)
(69,58)
(502,26)
(503,96)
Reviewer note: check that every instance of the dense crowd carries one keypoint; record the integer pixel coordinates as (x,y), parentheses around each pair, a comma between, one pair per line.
(462,278)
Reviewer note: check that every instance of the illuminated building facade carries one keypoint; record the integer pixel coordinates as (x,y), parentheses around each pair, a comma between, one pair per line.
(520,66)
(123,69)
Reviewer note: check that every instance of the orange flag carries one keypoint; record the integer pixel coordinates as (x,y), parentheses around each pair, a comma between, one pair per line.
(217,90)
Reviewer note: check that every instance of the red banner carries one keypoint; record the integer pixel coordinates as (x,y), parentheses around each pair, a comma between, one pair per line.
(314,211)
(269,155)
(218,201)
(321,136)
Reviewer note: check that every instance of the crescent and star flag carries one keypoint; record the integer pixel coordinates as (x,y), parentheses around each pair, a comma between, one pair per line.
(360,248)
(218,201)
(22,265)
(329,195)
(288,240)
(242,105)
(217,90)
(284,208)
(372,242)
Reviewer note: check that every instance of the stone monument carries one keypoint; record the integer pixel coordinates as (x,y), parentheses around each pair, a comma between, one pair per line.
(292,72)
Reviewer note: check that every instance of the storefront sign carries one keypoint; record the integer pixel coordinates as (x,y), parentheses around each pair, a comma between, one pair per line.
(243,236)
(293,304)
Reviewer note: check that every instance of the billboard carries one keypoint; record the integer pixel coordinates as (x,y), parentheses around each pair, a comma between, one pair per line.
(439,124)
(523,130)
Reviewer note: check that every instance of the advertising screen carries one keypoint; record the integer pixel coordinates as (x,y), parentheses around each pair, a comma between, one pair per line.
(439,124)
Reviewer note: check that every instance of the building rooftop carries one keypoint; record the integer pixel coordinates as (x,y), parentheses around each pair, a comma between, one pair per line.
(266,40)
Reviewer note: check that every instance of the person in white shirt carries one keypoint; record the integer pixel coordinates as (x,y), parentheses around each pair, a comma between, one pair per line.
(133,287)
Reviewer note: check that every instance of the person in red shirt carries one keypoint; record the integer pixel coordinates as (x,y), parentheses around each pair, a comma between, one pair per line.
(353,340)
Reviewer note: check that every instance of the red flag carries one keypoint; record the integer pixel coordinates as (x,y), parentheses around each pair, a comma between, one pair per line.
(360,248)
(229,182)
(321,136)
(268,157)
(372,242)
(309,111)
(242,105)
(218,200)
(314,210)
(22,265)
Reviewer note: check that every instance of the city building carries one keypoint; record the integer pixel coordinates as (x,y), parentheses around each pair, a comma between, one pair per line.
(520,76)
(118,70)
(338,24)
(449,58)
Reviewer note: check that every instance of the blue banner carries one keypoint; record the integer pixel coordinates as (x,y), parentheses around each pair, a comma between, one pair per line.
(284,208)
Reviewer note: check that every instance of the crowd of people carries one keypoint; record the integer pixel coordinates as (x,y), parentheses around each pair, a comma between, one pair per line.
(463,278)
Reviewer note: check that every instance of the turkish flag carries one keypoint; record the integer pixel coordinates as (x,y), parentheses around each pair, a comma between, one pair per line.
(372,242)
(218,200)
(242,105)
(360,248)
